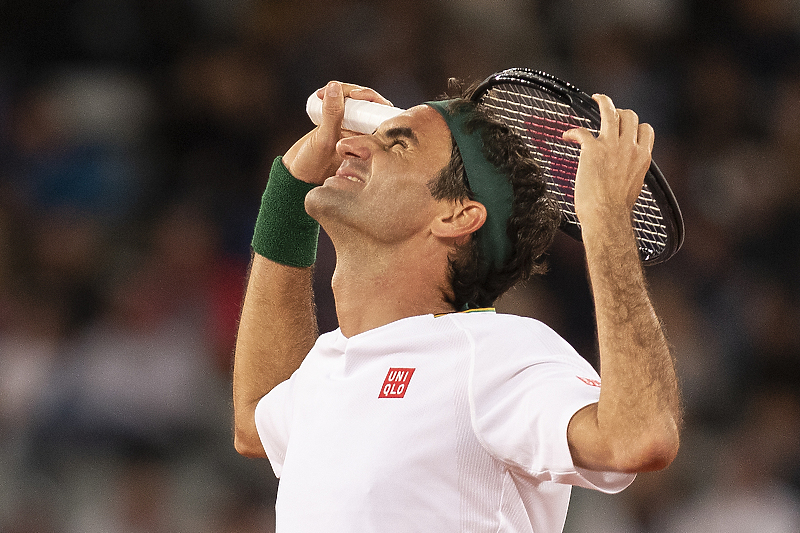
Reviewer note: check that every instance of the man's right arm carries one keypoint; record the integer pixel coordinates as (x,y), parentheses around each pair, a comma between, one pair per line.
(276,330)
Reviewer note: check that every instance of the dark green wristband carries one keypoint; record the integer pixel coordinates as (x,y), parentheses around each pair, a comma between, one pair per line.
(284,232)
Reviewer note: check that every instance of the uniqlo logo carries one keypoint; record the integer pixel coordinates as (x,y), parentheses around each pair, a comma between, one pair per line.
(396,383)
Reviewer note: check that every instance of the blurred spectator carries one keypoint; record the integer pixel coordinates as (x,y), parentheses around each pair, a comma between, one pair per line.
(76,142)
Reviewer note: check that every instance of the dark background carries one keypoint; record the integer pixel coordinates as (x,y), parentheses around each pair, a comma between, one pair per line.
(135,140)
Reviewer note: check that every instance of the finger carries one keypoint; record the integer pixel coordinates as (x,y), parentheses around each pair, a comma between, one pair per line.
(365,93)
(646,136)
(347,88)
(358,92)
(628,123)
(609,117)
(578,135)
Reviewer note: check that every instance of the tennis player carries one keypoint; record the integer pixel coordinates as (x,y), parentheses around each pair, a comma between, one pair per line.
(427,410)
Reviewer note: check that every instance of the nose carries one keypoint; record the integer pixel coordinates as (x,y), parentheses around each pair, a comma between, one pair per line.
(358,147)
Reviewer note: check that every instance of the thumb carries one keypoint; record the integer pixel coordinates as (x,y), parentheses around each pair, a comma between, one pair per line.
(578,135)
(332,112)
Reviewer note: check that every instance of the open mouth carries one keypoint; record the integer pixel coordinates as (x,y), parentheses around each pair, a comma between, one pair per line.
(346,171)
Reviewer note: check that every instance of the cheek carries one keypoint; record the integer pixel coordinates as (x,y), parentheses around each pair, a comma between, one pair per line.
(402,210)
(405,195)
(406,212)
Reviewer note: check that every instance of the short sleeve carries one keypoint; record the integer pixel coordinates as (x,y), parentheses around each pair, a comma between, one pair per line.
(273,417)
(525,387)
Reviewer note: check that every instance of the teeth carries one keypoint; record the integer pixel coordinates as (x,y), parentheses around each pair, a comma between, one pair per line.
(352,178)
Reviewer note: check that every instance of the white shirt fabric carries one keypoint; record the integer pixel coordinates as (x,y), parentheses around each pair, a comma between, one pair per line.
(475,441)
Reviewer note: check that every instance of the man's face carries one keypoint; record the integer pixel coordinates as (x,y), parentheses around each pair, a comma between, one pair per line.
(380,190)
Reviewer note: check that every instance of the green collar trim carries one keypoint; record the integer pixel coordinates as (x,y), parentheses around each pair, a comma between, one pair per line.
(490,185)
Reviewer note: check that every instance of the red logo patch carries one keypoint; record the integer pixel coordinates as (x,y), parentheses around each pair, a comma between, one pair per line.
(396,383)
(588,381)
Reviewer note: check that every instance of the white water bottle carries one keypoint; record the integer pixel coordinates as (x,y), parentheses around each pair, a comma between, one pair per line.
(361,116)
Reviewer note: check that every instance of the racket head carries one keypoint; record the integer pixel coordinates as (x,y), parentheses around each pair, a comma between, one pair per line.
(540,108)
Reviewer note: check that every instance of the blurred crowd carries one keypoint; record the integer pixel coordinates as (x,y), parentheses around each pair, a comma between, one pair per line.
(135,141)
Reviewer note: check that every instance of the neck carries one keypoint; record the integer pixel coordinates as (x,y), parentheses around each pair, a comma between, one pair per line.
(376,285)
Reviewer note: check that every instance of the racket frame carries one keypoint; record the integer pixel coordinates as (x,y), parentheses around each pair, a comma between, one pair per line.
(654,180)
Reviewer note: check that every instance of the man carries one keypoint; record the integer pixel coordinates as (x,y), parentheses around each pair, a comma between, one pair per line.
(414,415)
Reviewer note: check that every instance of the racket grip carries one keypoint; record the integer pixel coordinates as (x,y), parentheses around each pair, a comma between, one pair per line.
(361,116)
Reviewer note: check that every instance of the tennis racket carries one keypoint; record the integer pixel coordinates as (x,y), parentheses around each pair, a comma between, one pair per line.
(540,108)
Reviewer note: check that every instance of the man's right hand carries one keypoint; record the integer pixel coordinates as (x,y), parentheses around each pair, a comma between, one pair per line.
(313,158)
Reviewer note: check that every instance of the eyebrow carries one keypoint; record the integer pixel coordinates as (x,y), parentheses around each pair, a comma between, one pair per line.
(408,133)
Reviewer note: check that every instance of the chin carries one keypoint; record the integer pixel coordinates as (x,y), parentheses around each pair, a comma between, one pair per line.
(322,203)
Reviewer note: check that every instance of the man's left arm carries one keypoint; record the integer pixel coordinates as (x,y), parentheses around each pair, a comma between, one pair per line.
(634,427)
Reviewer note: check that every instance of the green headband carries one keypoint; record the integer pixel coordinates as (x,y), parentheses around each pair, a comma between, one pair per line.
(489,184)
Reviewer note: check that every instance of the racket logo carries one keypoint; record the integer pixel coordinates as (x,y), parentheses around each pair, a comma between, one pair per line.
(553,152)
(396,383)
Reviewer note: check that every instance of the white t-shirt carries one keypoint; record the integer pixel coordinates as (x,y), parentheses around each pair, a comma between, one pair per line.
(436,424)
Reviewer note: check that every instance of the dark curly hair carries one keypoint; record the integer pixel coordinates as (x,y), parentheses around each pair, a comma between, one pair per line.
(535,216)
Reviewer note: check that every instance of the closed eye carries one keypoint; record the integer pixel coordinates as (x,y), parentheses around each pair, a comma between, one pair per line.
(403,144)
(404,137)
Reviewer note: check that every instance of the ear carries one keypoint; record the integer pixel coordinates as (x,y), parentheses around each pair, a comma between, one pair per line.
(460,219)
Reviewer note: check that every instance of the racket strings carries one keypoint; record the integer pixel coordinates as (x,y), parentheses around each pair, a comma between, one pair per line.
(540,119)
